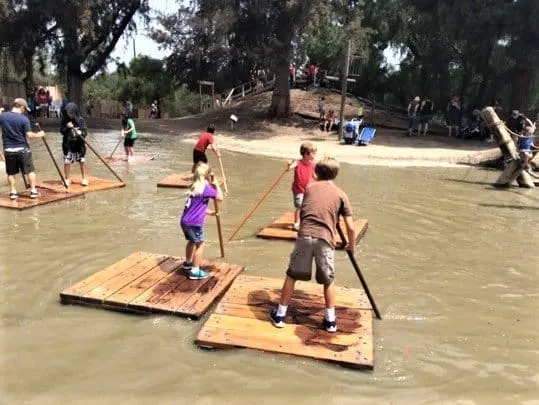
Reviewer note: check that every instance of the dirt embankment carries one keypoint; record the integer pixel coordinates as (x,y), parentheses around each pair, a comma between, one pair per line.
(257,134)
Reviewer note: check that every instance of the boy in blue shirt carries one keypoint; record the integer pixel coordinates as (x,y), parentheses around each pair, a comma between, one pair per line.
(16,131)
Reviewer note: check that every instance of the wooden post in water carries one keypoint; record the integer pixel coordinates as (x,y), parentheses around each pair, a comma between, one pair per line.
(515,168)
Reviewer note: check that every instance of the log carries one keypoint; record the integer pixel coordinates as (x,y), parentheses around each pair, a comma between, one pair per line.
(515,168)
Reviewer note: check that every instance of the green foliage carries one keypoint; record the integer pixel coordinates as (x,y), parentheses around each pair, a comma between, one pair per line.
(182,102)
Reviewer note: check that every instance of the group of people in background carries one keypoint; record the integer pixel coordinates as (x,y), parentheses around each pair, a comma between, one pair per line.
(420,113)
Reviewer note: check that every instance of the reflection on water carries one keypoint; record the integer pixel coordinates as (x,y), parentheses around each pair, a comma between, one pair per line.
(451,262)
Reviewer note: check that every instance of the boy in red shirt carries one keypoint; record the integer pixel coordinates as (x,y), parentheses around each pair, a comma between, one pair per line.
(206,140)
(303,174)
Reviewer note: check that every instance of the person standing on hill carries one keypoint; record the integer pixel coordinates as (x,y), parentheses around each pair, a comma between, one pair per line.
(412,115)
(426,110)
(205,141)
(16,131)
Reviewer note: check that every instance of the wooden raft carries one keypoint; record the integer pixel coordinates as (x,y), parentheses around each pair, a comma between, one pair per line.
(182,180)
(147,282)
(24,201)
(241,320)
(120,159)
(96,184)
(283,228)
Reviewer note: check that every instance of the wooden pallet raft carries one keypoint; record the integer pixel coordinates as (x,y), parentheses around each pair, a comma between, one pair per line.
(46,197)
(283,228)
(182,180)
(241,320)
(96,184)
(147,282)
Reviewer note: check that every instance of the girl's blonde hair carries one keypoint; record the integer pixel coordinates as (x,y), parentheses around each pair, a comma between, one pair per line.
(199,178)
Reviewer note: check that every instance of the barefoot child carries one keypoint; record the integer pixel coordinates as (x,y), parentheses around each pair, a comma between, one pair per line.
(323,204)
(204,188)
(303,174)
(130,134)
(526,145)
(73,129)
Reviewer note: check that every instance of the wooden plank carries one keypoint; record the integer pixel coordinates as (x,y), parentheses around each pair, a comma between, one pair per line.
(74,292)
(122,279)
(118,159)
(137,287)
(182,180)
(283,228)
(186,297)
(46,197)
(148,282)
(243,322)
(96,184)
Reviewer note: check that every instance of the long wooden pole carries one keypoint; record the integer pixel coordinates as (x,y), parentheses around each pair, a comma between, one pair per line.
(102,160)
(260,200)
(344,86)
(53,159)
(219,228)
(116,147)
(223,174)
(358,272)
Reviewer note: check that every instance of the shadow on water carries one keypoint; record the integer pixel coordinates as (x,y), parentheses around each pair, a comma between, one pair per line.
(514,207)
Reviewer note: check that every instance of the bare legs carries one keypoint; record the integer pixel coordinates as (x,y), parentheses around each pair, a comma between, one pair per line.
(193,253)
(288,290)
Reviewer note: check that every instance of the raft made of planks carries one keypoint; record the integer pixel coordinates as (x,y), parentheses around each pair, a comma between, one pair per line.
(152,283)
(121,159)
(182,180)
(24,201)
(241,319)
(283,228)
(95,184)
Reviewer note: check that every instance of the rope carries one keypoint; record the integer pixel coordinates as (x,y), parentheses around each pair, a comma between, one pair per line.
(500,123)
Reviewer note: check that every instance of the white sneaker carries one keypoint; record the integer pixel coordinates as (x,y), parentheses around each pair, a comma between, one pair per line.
(85,182)
(68,182)
(126,158)
(296,226)
(131,159)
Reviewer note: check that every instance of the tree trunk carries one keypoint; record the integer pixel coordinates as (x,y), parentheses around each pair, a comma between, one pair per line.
(522,84)
(29,73)
(280,101)
(74,88)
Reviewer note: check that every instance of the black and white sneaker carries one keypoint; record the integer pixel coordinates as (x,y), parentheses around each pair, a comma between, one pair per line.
(13,195)
(330,326)
(278,321)
(34,194)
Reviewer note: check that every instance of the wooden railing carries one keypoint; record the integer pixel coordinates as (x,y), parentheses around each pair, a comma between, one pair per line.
(245,89)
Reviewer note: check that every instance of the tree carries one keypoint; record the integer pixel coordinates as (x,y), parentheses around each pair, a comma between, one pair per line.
(88,31)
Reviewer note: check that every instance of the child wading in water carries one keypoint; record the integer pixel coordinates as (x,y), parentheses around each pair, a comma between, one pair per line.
(130,134)
(303,174)
(73,129)
(204,188)
(324,203)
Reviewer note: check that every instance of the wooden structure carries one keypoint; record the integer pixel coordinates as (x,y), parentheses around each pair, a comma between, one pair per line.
(96,184)
(211,85)
(241,320)
(120,159)
(245,89)
(182,180)
(151,283)
(283,228)
(47,196)
(515,167)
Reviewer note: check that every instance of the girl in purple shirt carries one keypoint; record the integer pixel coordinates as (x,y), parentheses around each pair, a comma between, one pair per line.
(203,189)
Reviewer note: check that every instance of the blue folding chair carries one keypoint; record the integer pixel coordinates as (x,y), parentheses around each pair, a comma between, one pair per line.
(366,135)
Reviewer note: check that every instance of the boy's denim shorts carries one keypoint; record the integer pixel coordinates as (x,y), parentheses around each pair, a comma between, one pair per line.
(193,234)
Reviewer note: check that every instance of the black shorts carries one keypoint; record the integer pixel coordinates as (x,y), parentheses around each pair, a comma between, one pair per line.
(199,156)
(129,143)
(19,161)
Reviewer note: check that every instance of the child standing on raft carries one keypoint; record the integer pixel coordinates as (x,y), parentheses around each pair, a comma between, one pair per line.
(303,174)
(73,128)
(323,205)
(205,141)
(129,133)
(204,188)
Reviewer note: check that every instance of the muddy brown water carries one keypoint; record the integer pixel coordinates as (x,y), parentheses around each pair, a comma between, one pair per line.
(452,263)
